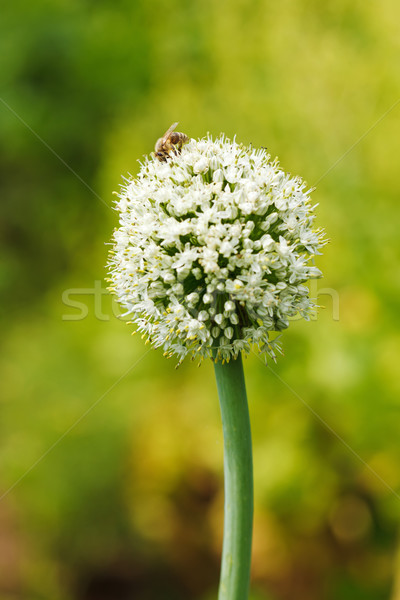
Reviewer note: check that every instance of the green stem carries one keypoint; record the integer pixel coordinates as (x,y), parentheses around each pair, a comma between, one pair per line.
(238,473)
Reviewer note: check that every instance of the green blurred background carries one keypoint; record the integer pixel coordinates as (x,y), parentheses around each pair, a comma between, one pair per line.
(110,459)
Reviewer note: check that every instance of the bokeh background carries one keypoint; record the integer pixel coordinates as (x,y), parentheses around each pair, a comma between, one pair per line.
(110,459)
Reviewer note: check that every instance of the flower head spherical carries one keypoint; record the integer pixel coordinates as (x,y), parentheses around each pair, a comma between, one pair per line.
(213,250)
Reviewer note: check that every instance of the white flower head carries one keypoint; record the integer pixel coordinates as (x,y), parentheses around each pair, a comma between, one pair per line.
(213,250)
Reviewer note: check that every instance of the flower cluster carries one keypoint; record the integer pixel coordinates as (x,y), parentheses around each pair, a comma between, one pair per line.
(213,250)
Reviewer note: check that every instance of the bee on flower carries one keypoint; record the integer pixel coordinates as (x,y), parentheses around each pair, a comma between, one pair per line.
(213,250)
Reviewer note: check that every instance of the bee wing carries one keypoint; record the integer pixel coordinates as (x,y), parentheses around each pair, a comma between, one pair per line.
(169,131)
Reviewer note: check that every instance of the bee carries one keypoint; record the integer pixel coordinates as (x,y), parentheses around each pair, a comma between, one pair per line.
(171,141)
